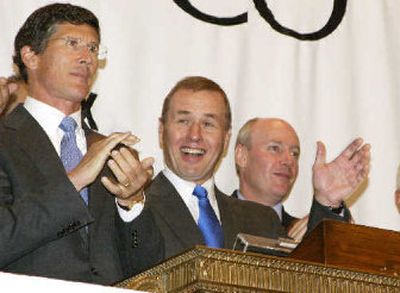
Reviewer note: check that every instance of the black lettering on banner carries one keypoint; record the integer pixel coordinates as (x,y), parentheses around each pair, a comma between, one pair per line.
(193,11)
(338,11)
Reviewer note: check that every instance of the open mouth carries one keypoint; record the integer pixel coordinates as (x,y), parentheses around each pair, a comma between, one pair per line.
(193,151)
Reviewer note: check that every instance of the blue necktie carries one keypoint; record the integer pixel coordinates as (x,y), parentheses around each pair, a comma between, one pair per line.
(70,153)
(208,222)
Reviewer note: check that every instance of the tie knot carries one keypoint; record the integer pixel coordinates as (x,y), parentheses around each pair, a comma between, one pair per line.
(200,192)
(68,124)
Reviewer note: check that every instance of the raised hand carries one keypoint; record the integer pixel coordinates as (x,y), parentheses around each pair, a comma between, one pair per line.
(6,89)
(334,182)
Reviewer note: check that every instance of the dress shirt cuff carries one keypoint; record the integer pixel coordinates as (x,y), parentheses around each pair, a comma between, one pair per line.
(129,215)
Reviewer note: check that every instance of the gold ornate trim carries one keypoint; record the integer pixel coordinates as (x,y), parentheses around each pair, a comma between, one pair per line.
(216,270)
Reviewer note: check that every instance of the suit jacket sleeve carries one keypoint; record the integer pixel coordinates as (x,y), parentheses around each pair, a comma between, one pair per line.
(319,212)
(140,243)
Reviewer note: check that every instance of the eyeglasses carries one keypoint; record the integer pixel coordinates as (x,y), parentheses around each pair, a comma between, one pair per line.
(77,44)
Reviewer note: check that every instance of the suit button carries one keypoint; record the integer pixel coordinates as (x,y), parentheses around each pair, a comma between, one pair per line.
(94,271)
(135,240)
(61,233)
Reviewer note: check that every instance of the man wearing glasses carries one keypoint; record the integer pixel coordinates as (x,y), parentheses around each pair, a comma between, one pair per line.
(71,203)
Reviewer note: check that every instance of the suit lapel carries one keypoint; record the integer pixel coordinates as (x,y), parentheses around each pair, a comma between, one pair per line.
(95,203)
(287,220)
(166,201)
(235,193)
(33,141)
(228,218)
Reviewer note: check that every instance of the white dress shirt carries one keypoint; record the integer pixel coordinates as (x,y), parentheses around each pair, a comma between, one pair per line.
(49,118)
(185,190)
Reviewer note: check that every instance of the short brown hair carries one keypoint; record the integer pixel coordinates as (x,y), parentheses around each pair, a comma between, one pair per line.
(197,83)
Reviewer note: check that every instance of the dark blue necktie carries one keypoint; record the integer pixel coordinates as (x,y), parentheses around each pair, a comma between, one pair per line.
(208,222)
(70,153)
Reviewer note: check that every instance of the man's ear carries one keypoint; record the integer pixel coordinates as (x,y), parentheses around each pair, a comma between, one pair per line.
(227,138)
(241,155)
(160,133)
(29,57)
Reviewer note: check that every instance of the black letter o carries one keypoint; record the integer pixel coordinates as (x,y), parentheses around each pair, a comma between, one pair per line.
(339,8)
(193,11)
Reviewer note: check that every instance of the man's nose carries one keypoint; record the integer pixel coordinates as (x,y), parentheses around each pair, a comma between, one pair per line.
(195,131)
(85,55)
(288,159)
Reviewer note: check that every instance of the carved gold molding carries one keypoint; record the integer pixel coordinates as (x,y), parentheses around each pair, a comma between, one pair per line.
(216,270)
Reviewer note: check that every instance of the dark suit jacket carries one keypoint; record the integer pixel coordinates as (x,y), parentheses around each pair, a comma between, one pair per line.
(180,231)
(318,212)
(43,217)
(287,219)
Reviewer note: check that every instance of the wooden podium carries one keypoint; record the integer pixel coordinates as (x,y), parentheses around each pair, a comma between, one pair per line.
(335,257)
(352,246)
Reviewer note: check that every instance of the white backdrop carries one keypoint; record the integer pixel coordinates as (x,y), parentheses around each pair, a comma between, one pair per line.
(333,89)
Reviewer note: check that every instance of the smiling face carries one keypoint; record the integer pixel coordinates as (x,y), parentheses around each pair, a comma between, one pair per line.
(193,136)
(268,167)
(61,76)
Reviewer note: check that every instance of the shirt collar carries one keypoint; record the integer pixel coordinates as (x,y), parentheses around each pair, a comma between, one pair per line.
(185,191)
(49,117)
(278,209)
(184,185)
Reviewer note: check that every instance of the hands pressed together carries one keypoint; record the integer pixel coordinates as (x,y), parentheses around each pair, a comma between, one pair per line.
(130,174)
(334,182)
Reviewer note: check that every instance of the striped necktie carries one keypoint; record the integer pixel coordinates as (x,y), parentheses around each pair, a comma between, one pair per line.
(70,154)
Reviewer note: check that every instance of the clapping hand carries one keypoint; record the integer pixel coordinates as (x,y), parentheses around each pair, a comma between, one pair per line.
(6,90)
(334,182)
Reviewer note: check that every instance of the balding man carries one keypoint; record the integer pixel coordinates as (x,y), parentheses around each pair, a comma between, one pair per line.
(266,156)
